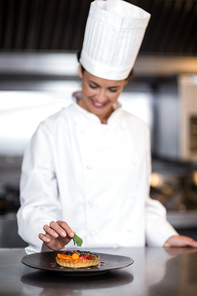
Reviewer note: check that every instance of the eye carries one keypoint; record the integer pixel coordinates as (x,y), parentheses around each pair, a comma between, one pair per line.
(113,90)
(92,86)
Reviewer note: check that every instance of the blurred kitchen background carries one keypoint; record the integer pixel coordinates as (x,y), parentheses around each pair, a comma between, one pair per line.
(38,73)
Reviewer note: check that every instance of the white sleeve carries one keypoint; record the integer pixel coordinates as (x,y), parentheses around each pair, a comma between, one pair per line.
(38,191)
(157,228)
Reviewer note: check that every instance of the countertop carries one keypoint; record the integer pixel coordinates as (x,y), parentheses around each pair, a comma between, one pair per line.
(155,272)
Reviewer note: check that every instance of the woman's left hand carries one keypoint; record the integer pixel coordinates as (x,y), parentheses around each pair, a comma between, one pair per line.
(180,241)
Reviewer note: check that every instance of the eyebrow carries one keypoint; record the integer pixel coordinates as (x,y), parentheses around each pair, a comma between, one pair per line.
(116,86)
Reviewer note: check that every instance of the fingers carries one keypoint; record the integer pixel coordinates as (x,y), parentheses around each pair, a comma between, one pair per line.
(184,241)
(180,241)
(55,230)
(65,228)
(45,237)
(190,242)
(49,230)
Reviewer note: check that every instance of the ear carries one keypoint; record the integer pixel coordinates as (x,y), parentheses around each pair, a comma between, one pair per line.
(80,71)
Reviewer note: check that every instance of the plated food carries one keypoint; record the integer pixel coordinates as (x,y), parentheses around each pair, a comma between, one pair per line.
(46,261)
(77,259)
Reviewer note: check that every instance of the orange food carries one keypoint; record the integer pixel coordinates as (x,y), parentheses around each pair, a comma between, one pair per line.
(64,257)
(75,257)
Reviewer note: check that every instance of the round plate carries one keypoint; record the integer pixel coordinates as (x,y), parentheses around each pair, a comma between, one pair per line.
(46,261)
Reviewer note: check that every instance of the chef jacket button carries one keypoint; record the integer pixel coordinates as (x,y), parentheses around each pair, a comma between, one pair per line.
(130,230)
(115,246)
(90,201)
(92,233)
(88,167)
(83,131)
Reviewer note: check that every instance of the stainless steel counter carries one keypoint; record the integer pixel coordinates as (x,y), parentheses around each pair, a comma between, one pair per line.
(156,271)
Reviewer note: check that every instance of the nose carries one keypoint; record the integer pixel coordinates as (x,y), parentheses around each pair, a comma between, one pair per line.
(101,97)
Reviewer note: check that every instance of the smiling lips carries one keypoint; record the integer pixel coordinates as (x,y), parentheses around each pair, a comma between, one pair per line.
(98,105)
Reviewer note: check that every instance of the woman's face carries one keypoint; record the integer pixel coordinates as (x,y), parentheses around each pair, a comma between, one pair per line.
(99,95)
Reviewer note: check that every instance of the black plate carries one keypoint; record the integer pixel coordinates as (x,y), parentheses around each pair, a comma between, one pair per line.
(46,261)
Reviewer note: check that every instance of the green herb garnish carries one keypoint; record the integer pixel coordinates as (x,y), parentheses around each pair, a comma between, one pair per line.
(77,240)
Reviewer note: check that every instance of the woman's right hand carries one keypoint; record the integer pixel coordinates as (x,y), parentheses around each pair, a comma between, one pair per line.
(57,235)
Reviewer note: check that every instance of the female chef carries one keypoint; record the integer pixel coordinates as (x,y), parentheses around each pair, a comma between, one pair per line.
(87,167)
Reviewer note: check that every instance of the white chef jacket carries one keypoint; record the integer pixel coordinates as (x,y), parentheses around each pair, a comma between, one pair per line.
(93,176)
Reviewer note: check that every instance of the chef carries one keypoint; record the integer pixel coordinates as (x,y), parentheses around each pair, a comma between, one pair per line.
(87,167)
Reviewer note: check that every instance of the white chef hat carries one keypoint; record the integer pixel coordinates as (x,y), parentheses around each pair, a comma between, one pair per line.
(113,36)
